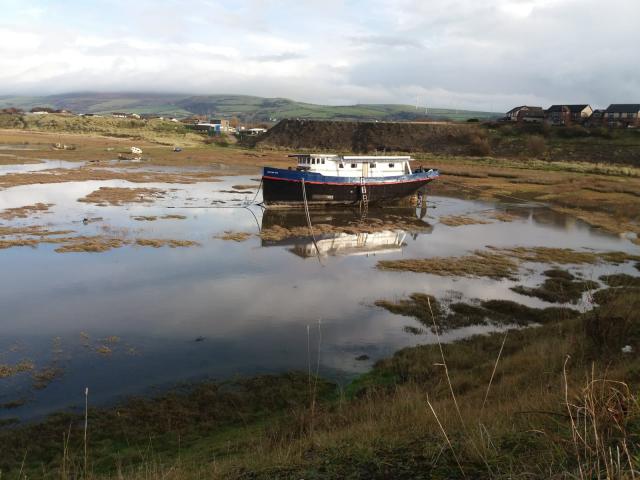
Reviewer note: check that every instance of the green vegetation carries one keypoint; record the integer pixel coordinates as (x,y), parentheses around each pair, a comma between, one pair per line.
(621,280)
(480,264)
(504,262)
(247,108)
(493,140)
(202,414)
(426,309)
(156,130)
(539,402)
(560,287)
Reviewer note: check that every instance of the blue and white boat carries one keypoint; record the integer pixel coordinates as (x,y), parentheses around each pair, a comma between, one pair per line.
(323,180)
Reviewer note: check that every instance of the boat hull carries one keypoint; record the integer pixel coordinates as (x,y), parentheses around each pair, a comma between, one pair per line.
(283,188)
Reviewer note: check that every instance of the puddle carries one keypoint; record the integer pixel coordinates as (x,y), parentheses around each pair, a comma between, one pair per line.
(134,318)
(19,146)
(37,167)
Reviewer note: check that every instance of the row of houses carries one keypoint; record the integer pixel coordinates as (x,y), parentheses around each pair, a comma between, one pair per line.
(616,115)
(216,126)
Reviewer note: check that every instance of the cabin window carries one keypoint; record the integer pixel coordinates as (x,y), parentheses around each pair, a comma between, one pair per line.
(323,161)
(353,165)
(391,165)
(341,165)
(372,165)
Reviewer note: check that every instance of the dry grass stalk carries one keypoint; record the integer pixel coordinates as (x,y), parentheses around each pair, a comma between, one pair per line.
(450,385)
(599,416)
(446,437)
(493,373)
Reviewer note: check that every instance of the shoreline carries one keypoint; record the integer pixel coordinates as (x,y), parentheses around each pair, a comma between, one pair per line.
(394,414)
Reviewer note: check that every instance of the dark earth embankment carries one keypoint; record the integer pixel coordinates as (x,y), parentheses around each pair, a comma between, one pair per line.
(574,143)
(371,136)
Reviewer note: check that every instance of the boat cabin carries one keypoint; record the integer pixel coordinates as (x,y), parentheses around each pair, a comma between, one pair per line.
(354,165)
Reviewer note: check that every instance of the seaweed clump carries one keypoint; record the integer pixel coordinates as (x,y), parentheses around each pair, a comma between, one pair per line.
(621,280)
(559,287)
(428,311)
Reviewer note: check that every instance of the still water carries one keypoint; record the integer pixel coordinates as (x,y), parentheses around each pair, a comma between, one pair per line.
(134,320)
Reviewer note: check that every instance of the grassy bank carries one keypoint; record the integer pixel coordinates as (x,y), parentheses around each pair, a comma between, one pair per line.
(502,140)
(555,401)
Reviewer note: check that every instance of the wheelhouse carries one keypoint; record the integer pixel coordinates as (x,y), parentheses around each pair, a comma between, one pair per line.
(354,165)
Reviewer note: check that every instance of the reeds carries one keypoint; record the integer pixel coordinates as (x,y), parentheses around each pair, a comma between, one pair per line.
(600,414)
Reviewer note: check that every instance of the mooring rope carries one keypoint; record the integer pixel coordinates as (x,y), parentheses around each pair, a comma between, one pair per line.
(253,202)
(306,211)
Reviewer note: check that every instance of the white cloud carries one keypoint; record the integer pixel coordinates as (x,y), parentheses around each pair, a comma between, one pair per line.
(454,53)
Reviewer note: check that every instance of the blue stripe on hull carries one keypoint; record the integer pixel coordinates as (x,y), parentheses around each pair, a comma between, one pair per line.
(284,188)
(311,177)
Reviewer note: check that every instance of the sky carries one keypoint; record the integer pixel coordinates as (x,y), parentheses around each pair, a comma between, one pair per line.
(464,54)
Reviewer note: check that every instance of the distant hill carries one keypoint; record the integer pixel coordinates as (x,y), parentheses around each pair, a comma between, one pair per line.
(247,108)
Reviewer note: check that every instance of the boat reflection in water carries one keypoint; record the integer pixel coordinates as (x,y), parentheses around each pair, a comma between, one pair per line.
(387,241)
(342,232)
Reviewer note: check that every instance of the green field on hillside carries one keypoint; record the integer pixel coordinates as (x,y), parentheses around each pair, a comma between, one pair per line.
(247,108)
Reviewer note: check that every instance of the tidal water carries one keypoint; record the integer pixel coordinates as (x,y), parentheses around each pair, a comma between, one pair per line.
(136,320)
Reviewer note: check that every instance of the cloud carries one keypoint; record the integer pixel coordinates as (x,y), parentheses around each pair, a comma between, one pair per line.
(385,41)
(451,53)
(280,57)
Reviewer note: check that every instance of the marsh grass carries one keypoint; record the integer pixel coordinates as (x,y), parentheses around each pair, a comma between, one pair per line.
(564,256)
(25,211)
(425,308)
(82,174)
(499,263)
(10,370)
(234,236)
(215,417)
(460,220)
(621,280)
(30,236)
(95,244)
(119,196)
(560,287)
(34,235)
(480,263)
(503,216)
(489,406)
(165,242)
(44,376)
